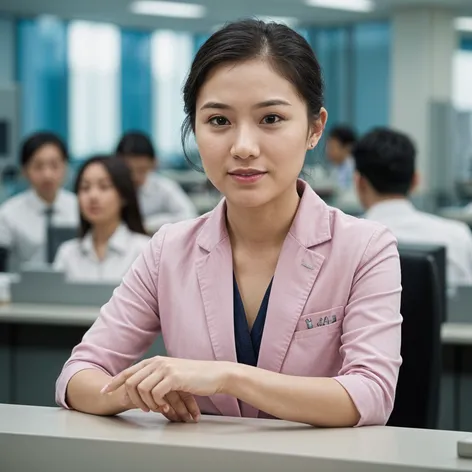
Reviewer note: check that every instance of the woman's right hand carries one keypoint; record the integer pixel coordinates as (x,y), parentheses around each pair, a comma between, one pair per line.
(181,407)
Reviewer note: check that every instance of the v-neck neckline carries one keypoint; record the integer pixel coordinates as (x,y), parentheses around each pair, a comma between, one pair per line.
(248,341)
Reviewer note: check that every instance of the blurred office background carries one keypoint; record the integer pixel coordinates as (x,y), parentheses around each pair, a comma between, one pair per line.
(91,70)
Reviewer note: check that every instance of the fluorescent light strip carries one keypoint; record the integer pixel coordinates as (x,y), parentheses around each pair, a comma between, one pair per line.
(463,23)
(169,9)
(349,5)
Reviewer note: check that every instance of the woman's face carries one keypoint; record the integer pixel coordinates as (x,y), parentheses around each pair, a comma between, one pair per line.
(252,132)
(46,171)
(99,200)
(140,167)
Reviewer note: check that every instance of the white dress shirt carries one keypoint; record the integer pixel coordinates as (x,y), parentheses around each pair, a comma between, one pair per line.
(162,201)
(411,226)
(345,174)
(23,224)
(78,259)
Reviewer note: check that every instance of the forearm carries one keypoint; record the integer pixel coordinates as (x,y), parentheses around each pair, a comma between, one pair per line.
(83,394)
(317,401)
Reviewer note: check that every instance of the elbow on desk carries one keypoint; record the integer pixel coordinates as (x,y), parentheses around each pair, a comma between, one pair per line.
(68,372)
(374,400)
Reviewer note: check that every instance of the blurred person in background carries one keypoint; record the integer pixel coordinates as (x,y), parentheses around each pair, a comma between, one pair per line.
(385,177)
(339,144)
(161,200)
(111,230)
(25,218)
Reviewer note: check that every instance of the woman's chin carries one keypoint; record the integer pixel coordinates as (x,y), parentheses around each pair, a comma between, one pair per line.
(241,200)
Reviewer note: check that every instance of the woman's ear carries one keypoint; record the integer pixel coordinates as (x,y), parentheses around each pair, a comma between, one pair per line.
(317,128)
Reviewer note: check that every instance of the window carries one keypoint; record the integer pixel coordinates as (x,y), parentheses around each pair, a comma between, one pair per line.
(94,88)
(462,78)
(171,57)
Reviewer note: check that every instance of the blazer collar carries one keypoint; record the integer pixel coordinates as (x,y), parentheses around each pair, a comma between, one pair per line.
(310,227)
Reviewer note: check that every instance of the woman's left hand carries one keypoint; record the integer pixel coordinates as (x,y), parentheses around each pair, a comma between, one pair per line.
(151,380)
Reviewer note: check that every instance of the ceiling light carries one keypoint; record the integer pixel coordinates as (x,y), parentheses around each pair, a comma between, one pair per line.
(463,23)
(170,9)
(350,5)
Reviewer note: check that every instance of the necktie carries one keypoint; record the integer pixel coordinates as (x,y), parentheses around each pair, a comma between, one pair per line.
(49,242)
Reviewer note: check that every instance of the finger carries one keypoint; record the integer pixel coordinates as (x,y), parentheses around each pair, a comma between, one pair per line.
(191,405)
(122,377)
(160,391)
(179,406)
(145,387)
(132,384)
(170,414)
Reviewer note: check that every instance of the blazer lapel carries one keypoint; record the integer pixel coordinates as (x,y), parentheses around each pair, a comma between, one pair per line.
(215,277)
(296,273)
(294,278)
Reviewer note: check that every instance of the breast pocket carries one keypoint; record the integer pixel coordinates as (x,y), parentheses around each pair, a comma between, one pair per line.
(319,323)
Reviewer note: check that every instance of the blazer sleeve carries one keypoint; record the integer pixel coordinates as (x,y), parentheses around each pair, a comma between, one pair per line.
(127,325)
(371,339)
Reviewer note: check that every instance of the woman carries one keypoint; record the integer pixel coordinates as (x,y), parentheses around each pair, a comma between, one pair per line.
(24,219)
(273,304)
(161,199)
(111,231)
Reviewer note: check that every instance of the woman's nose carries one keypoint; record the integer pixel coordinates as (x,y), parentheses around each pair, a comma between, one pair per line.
(245,145)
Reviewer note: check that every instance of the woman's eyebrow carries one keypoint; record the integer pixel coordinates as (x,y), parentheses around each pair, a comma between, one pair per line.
(264,104)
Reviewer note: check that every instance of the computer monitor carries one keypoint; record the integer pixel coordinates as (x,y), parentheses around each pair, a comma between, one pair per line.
(423,311)
(57,235)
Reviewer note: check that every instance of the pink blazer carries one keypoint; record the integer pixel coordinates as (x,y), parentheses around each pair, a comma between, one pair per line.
(336,273)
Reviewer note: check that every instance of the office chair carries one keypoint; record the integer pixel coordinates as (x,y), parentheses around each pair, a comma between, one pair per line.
(422,306)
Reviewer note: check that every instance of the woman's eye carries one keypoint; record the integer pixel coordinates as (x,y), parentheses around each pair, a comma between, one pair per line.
(271,119)
(219,121)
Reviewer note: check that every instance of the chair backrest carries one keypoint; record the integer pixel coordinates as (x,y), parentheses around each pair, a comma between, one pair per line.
(58,235)
(423,310)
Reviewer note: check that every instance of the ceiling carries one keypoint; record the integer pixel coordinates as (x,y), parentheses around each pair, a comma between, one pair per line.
(219,11)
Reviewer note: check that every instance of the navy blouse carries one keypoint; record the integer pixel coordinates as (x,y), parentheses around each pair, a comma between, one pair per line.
(248,342)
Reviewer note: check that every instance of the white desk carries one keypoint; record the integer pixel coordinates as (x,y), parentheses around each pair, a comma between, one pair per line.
(49,439)
(49,314)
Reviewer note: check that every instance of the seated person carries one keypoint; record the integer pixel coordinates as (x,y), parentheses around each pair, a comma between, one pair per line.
(25,217)
(339,144)
(161,200)
(111,229)
(273,305)
(385,163)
